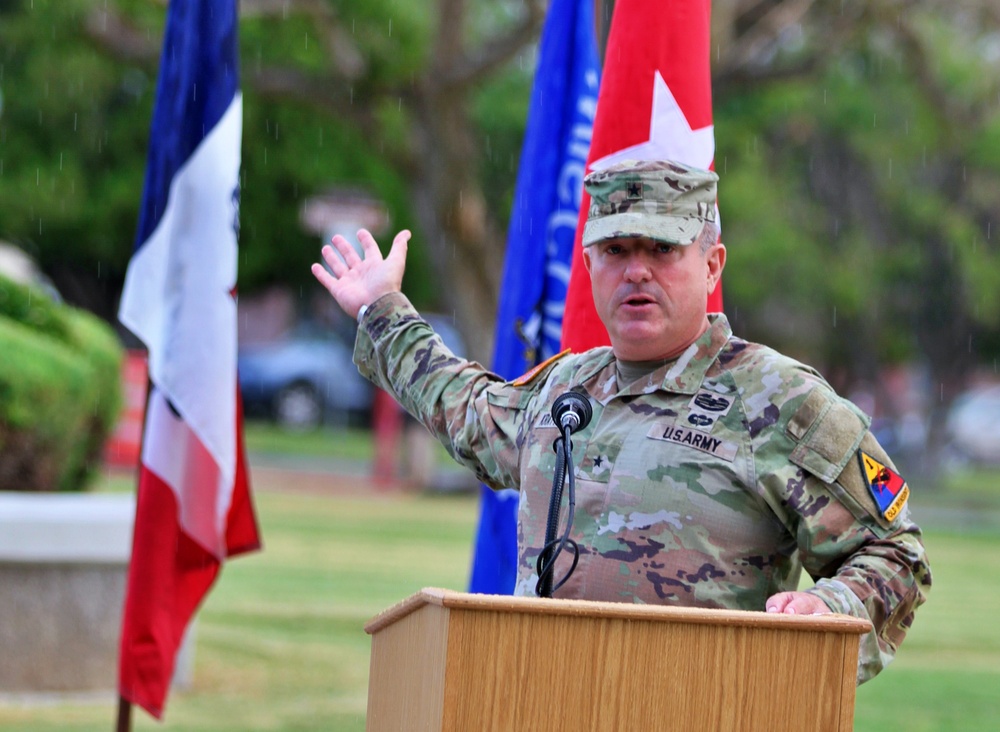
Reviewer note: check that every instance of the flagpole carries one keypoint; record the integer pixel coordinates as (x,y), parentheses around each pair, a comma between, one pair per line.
(124,715)
(124,722)
(603,10)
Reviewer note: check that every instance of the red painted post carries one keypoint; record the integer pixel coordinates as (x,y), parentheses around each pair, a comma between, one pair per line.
(387,426)
(122,448)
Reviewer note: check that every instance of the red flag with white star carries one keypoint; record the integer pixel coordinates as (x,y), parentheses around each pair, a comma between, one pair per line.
(655,103)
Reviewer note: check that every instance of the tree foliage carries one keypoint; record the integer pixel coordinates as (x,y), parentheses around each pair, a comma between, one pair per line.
(858,144)
(420,107)
(72,147)
(381,95)
(858,153)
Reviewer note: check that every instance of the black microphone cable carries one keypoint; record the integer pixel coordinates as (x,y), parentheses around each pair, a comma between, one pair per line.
(571,412)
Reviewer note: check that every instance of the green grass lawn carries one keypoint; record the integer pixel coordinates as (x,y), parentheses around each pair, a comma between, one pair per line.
(265,437)
(947,674)
(280,641)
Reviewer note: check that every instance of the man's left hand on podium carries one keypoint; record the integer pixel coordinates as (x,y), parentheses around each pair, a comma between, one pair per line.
(796,603)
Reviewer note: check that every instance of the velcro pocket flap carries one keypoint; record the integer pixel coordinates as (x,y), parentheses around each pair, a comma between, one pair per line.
(830,435)
(505,396)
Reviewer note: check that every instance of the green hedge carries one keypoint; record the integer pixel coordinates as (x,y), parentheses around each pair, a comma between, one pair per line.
(60,391)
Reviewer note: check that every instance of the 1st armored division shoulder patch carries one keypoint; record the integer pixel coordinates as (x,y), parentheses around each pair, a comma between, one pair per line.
(886,486)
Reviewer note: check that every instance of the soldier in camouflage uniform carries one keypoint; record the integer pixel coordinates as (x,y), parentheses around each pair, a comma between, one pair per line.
(713,469)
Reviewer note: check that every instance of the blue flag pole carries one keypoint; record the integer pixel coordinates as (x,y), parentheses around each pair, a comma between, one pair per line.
(540,244)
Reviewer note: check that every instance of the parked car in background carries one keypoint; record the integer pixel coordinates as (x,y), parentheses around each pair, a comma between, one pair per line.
(304,379)
(973,426)
(308,378)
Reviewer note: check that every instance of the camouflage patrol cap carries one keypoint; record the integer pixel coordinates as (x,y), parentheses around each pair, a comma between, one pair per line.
(660,199)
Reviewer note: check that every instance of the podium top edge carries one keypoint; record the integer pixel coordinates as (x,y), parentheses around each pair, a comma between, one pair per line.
(829,623)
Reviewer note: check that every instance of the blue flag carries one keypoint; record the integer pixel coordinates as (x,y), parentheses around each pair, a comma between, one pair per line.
(540,244)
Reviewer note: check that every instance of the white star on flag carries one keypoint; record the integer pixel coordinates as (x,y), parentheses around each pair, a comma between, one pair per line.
(670,135)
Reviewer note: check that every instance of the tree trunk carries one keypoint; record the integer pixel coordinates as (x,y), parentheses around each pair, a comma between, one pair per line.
(466,248)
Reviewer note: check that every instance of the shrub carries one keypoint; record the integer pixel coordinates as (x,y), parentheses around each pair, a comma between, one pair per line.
(60,391)
(94,340)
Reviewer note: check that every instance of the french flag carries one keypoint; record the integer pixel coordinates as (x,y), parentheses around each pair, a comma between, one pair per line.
(193,506)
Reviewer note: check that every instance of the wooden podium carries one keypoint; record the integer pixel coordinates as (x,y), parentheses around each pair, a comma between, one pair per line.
(456,662)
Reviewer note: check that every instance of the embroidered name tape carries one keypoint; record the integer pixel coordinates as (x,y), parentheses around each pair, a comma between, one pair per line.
(695,438)
(545,421)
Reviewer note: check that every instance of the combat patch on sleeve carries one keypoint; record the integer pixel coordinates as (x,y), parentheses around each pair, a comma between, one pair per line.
(886,486)
(527,378)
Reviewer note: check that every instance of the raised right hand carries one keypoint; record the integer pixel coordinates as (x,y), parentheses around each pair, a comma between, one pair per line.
(356,281)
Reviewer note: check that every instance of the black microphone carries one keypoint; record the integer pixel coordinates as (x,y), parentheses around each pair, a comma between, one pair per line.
(572,410)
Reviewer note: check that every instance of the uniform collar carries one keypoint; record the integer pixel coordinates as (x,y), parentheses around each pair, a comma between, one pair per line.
(683,375)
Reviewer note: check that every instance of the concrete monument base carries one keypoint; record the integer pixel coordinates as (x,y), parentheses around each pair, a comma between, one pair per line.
(63,565)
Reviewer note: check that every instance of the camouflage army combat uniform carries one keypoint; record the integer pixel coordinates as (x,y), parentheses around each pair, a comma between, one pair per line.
(710,483)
